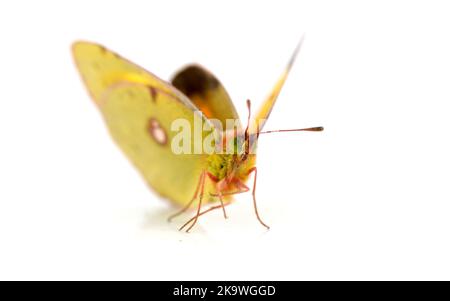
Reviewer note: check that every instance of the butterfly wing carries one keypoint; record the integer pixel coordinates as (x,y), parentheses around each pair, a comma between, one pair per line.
(264,111)
(101,68)
(140,120)
(139,110)
(206,92)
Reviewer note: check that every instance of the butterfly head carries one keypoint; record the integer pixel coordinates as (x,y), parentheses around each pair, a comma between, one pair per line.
(245,150)
(238,154)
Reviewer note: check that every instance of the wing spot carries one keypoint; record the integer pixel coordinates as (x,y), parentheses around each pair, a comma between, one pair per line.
(157,132)
(153,93)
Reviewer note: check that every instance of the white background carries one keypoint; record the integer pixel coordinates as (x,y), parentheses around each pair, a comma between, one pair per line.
(368,199)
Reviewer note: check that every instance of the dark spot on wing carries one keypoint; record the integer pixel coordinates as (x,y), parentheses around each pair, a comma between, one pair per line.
(153,93)
(194,80)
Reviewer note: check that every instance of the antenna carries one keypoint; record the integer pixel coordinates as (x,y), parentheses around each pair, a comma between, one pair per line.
(246,137)
(313,129)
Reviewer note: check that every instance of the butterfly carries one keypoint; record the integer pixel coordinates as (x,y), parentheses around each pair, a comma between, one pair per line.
(140,111)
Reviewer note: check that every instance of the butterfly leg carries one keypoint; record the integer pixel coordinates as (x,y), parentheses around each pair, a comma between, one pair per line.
(195,218)
(222,205)
(220,195)
(243,189)
(204,212)
(190,202)
(253,169)
(215,180)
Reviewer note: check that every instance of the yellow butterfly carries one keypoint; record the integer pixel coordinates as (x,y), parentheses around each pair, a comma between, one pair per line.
(140,111)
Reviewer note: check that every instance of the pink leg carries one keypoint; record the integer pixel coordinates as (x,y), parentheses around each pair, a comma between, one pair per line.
(243,186)
(195,218)
(238,183)
(203,212)
(253,169)
(191,201)
(216,180)
(222,205)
